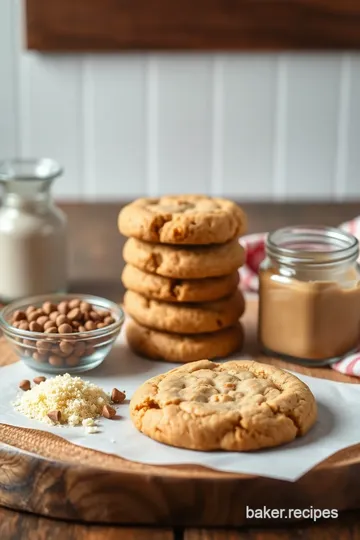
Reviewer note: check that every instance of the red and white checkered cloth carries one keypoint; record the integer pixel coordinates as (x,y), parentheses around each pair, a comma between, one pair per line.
(254,245)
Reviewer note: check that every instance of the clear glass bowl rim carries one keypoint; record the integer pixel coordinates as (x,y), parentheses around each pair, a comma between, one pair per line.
(8,169)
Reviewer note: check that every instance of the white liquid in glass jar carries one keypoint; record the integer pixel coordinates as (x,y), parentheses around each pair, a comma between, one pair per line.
(32,231)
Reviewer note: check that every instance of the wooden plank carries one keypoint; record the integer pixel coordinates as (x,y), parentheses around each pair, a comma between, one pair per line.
(213,534)
(192,24)
(344,528)
(97,270)
(20,526)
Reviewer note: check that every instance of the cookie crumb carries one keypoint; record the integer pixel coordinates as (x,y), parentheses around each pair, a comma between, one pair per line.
(88,422)
(91,429)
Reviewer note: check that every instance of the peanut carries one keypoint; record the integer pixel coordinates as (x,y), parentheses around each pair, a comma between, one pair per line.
(43,346)
(65,329)
(54,315)
(48,324)
(51,330)
(66,347)
(72,361)
(35,327)
(90,325)
(39,357)
(108,412)
(33,316)
(79,349)
(117,396)
(61,319)
(25,385)
(24,325)
(48,308)
(38,380)
(43,319)
(55,360)
(85,306)
(63,307)
(74,314)
(18,316)
(75,303)
(55,416)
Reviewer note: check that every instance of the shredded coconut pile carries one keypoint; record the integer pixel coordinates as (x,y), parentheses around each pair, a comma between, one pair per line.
(77,400)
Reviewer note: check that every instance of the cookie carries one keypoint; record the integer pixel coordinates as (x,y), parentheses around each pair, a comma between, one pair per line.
(185,318)
(183,219)
(184,262)
(178,290)
(183,348)
(236,406)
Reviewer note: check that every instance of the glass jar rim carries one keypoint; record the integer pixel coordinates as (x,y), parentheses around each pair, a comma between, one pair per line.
(29,169)
(311,245)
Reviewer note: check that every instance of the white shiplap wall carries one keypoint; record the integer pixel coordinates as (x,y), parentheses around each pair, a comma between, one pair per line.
(258,126)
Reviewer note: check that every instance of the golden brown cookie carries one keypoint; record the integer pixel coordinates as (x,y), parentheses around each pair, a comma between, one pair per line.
(238,406)
(183,348)
(178,290)
(183,219)
(185,318)
(184,262)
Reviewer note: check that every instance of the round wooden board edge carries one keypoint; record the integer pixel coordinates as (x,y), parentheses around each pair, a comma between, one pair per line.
(149,494)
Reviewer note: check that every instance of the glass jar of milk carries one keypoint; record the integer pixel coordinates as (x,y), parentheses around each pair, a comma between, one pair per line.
(32,230)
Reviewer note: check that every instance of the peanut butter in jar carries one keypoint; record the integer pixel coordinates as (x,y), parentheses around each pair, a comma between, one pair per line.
(309,308)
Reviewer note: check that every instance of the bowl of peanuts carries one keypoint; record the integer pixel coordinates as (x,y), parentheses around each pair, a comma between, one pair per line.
(62,333)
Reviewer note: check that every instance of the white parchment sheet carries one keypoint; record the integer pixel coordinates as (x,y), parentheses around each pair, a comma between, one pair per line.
(338,424)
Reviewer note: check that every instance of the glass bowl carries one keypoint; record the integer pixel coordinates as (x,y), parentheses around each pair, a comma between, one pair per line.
(41,351)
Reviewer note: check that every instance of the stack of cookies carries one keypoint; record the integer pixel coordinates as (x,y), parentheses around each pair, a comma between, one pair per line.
(182,277)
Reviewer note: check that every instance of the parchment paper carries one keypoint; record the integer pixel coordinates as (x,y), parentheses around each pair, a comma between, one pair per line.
(338,425)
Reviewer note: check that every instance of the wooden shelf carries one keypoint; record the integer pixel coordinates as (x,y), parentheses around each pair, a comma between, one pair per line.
(202,25)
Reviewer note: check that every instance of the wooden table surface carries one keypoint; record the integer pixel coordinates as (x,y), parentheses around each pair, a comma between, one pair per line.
(95,266)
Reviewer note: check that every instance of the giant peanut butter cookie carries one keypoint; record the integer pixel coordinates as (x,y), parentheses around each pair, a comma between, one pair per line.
(183,348)
(178,290)
(185,318)
(184,262)
(237,406)
(185,219)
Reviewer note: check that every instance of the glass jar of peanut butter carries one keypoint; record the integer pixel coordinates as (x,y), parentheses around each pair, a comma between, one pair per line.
(309,296)
(32,230)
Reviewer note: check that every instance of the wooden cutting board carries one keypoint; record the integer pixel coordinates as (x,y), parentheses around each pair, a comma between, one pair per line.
(44,474)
